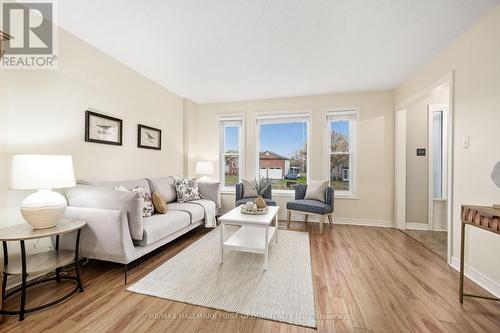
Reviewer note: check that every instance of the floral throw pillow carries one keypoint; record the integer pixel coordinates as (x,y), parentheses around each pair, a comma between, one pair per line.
(147,207)
(187,190)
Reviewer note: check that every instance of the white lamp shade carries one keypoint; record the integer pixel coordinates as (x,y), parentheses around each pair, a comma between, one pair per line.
(204,168)
(34,172)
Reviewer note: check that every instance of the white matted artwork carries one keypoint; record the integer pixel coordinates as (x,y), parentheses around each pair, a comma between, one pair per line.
(148,137)
(100,128)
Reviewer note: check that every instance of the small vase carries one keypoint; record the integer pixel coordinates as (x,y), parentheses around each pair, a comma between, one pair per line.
(261,203)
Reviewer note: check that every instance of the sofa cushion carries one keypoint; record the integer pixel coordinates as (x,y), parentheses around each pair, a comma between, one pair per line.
(310,206)
(195,211)
(126,183)
(108,198)
(165,186)
(159,226)
(269,202)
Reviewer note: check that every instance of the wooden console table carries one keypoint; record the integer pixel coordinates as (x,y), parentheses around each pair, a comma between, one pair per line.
(39,263)
(483,217)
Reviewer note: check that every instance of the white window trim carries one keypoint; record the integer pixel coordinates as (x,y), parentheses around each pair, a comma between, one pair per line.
(354,153)
(239,117)
(278,116)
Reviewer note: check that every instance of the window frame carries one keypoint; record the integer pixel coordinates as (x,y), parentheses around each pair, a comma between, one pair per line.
(350,114)
(230,120)
(276,117)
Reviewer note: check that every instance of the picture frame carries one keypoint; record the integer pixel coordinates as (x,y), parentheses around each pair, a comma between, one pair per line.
(100,128)
(148,137)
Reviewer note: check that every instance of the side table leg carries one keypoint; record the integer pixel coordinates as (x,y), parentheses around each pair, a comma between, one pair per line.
(221,251)
(58,269)
(23,282)
(276,231)
(77,260)
(462,259)
(266,248)
(5,263)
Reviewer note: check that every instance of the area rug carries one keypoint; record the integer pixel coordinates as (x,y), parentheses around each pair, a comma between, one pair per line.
(282,293)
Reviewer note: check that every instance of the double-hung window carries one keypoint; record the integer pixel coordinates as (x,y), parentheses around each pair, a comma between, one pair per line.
(342,150)
(231,152)
(282,155)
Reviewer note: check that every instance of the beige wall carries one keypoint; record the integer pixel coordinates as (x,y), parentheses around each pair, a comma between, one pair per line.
(43,112)
(375,147)
(475,59)
(417,167)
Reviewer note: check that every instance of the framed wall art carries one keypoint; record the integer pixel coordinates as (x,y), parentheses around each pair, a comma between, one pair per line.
(104,129)
(148,137)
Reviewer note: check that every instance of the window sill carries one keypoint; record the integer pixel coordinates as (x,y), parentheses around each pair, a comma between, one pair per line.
(346,196)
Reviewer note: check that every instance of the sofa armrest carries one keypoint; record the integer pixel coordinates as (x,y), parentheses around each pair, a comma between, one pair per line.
(211,191)
(105,237)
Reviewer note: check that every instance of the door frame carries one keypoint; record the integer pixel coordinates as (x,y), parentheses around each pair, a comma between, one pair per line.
(430,145)
(400,157)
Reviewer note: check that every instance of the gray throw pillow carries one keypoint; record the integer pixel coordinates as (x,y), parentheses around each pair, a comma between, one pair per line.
(316,190)
(248,190)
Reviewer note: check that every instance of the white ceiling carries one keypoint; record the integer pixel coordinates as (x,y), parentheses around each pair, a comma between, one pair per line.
(225,50)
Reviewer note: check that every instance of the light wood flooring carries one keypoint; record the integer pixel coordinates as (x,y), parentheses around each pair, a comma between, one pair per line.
(365,280)
(434,240)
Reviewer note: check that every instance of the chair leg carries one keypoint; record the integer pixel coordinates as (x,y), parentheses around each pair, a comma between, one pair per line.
(288,220)
(126,272)
(321,218)
(330,218)
(305,219)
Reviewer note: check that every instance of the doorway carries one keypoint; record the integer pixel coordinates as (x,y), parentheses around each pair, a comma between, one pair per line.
(423,173)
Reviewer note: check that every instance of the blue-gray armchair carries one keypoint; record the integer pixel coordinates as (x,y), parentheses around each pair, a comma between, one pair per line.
(308,207)
(240,200)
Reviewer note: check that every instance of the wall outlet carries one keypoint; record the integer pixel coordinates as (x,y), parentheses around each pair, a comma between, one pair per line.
(420,151)
(466,141)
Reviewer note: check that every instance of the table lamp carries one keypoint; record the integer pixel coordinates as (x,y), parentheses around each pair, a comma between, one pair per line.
(495,176)
(42,209)
(204,169)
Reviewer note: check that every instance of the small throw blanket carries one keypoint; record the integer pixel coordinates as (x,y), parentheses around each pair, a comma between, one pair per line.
(210,211)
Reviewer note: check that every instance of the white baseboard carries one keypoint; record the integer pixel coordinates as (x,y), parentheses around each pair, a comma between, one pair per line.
(440,229)
(364,222)
(478,277)
(417,226)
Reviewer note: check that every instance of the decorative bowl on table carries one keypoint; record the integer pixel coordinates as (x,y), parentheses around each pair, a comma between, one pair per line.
(251,209)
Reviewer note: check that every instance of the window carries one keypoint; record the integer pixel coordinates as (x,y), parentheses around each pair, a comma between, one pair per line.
(282,154)
(231,152)
(342,150)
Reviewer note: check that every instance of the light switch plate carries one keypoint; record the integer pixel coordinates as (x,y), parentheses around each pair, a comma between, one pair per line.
(466,141)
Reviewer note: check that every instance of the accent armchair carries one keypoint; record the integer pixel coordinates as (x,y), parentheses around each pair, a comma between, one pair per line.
(240,200)
(308,207)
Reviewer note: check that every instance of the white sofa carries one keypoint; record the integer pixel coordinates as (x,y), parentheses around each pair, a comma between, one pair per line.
(116,230)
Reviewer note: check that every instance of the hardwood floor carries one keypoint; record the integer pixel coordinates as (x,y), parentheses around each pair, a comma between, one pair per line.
(436,241)
(365,280)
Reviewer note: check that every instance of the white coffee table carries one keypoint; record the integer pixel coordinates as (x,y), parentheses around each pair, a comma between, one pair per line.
(255,234)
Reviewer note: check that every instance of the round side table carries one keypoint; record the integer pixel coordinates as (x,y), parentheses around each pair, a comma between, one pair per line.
(39,263)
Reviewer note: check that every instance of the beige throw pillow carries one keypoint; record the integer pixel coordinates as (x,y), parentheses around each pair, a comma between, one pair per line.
(159,202)
(248,190)
(316,190)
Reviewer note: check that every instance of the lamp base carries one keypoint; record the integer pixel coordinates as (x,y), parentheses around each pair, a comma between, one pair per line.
(43,209)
